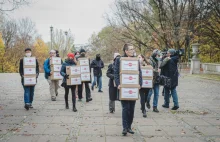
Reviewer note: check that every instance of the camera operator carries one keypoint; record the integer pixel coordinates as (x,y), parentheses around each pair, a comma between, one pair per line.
(169,69)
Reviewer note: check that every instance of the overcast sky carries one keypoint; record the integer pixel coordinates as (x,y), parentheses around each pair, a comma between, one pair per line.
(82,17)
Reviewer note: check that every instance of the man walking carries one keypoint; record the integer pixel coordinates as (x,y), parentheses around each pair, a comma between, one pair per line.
(97,66)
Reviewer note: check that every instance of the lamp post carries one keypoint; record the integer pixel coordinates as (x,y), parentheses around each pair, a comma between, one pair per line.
(66,33)
(51,36)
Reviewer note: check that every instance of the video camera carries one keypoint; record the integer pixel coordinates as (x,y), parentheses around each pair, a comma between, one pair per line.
(179,52)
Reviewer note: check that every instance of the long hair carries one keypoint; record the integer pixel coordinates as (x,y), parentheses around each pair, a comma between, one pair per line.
(125,47)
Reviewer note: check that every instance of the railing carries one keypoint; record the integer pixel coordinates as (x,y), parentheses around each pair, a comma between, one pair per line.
(211,68)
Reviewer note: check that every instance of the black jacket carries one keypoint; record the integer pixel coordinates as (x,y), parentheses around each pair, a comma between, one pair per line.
(21,70)
(97,67)
(169,69)
(110,75)
(117,73)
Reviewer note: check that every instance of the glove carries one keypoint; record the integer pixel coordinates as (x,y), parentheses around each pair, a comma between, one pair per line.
(66,76)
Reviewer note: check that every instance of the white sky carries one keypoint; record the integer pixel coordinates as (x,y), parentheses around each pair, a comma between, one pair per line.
(82,17)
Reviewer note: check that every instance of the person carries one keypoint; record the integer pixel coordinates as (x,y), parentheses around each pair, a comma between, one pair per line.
(112,88)
(97,66)
(80,87)
(70,61)
(143,91)
(154,61)
(28,90)
(128,106)
(170,70)
(54,84)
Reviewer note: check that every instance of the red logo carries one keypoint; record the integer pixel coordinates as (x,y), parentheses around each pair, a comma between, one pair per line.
(147,71)
(30,79)
(130,78)
(146,82)
(30,69)
(30,60)
(130,91)
(75,70)
(130,64)
(84,68)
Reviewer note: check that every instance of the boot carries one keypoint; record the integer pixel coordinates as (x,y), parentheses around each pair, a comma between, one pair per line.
(175,108)
(124,132)
(148,104)
(144,113)
(67,106)
(74,108)
(155,109)
(130,131)
(26,106)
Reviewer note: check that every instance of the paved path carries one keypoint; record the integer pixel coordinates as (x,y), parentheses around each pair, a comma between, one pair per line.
(197,120)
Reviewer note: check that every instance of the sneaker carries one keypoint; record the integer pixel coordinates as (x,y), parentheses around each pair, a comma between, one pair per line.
(175,108)
(26,106)
(74,109)
(111,111)
(100,91)
(144,114)
(53,99)
(92,88)
(124,132)
(30,106)
(130,131)
(148,105)
(56,94)
(165,106)
(88,100)
(155,109)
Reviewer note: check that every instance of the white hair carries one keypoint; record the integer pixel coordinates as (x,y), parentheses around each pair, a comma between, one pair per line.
(52,51)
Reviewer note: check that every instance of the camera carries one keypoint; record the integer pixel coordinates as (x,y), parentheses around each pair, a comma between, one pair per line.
(179,52)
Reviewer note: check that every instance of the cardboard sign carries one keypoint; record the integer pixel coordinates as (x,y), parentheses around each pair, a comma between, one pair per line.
(55,67)
(74,81)
(29,61)
(129,94)
(29,71)
(85,77)
(147,83)
(85,69)
(130,79)
(83,61)
(129,65)
(73,70)
(30,81)
(55,61)
(56,76)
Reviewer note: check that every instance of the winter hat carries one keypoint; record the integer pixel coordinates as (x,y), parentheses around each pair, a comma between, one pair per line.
(27,49)
(70,55)
(52,51)
(155,53)
(116,54)
(172,51)
(82,50)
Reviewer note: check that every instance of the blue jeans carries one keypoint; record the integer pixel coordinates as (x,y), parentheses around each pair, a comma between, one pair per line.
(127,113)
(155,89)
(99,78)
(173,94)
(28,94)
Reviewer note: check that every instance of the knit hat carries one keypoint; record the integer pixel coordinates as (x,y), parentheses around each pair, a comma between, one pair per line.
(70,55)
(172,51)
(27,49)
(116,54)
(155,53)
(82,50)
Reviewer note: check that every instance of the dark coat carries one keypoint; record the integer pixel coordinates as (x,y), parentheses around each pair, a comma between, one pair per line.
(117,73)
(97,66)
(112,90)
(169,69)
(21,70)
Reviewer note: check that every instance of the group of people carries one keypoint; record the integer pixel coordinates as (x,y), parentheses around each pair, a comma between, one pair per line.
(162,65)
(71,60)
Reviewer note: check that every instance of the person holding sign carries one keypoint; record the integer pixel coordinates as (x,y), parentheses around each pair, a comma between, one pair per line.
(112,87)
(128,106)
(29,72)
(70,61)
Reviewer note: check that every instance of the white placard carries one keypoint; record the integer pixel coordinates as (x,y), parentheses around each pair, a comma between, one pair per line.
(85,69)
(57,75)
(147,72)
(147,83)
(84,62)
(29,71)
(129,93)
(130,79)
(129,65)
(57,67)
(29,61)
(85,77)
(55,61)
(75,81)
(30,80)
(75,70)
